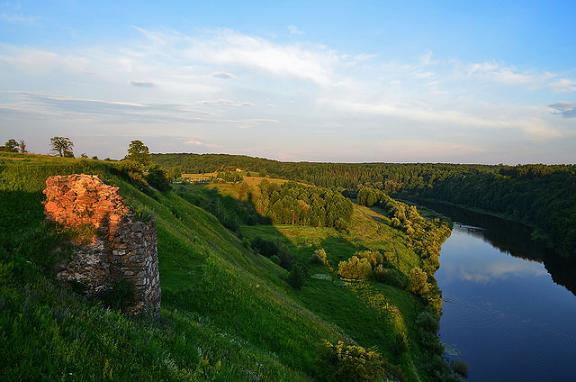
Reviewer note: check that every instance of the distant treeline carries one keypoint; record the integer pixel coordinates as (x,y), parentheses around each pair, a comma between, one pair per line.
(540,195)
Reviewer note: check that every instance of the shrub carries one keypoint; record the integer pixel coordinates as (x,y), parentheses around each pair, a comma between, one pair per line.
(265,247)
(427,321)
(374,257)
(355,268)
(391,276)
(320,257)
(297,276)
(286,258)
(133,172)
(460,368)
(418,282)
(158,178)
(399,346)
(349,362)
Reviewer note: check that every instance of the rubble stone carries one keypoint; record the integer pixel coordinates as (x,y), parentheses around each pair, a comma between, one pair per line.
(111,234)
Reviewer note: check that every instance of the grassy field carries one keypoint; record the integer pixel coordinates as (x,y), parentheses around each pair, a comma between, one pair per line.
(227,313)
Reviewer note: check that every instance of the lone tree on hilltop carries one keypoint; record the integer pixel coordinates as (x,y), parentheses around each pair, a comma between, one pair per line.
(11,145)
(62,146)
(138,152)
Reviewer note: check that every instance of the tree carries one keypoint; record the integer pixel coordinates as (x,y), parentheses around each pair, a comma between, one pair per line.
(418,281)
(297,276)
(11,145)
(62,146)
(138,152)
(355,268)
(22,146)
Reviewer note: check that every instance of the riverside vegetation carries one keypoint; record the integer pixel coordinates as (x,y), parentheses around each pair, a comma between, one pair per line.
(262,279)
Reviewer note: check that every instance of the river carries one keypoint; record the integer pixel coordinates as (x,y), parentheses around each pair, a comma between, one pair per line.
(509,310)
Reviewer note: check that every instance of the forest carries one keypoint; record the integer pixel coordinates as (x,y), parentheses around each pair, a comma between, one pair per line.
(541,196)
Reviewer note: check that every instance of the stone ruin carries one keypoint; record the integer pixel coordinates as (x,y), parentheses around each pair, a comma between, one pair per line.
(113,245)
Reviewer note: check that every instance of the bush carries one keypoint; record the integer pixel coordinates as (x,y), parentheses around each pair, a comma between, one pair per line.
(460,368)
(158,178)
(419,282)
(297,276)
(427,321)
(391,276)
(265,247)
(374,257)
(355,269)
(349,362)
(320,257)
(133,172)
(399,346)
(286,258)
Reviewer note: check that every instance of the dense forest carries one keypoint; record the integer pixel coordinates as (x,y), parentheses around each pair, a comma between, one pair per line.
(292,203)
(543,196)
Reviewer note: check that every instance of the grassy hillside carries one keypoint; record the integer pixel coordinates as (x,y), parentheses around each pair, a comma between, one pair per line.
(541,196)
(227,313)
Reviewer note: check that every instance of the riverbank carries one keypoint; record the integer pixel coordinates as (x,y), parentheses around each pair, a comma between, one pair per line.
(413,199)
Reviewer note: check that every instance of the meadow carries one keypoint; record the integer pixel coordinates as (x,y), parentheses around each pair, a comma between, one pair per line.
(228,313)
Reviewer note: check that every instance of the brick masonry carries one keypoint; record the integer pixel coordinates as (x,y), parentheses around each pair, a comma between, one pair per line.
(114,245)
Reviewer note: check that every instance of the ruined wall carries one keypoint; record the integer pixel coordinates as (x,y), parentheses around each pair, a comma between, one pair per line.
(111,244)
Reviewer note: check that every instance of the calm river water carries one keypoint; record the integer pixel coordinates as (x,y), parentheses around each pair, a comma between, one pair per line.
(509,312)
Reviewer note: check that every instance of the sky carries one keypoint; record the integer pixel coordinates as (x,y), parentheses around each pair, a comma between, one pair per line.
(342,81)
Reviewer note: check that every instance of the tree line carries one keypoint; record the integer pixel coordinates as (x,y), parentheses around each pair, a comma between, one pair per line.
(543,196)
(293,203)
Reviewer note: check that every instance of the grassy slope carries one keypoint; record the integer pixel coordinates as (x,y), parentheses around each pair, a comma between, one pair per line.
(369,312)
(227,314)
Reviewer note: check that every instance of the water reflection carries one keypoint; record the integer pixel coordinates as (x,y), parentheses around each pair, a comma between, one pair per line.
(503,314)
(513,239)
(476,265)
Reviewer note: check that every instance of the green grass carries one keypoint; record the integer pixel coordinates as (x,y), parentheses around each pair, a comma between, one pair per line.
(227,313)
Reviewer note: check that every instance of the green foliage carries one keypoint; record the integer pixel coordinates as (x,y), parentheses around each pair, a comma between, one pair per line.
(297,276)
(265,247)
(158,178)
(355,268)
(427,322)
(373,257)
(460,368)
(320,257)
(230,176)
(541,195)
(400,344)
(350,362)
(418,282)
(139,153)
(293,203)
(11,145)
(226,314)
(62,146)
(390,276)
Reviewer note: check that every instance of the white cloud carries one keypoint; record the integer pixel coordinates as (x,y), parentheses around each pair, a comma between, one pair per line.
(564,85)
(212,83)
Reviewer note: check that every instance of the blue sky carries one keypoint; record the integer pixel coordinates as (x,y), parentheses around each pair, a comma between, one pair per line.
(445,81)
